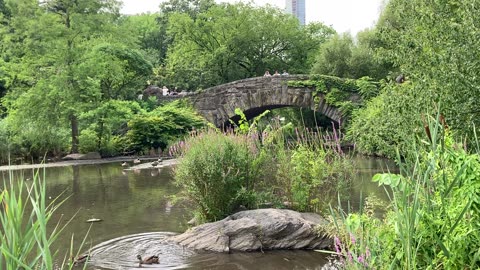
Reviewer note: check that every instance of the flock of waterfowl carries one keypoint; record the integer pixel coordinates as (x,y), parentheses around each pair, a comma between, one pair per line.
(138,161)
(148,260)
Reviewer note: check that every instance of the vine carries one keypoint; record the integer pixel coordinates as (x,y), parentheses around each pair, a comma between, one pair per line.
(337,90)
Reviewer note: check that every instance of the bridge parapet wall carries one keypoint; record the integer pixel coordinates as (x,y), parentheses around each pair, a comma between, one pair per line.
(255,95)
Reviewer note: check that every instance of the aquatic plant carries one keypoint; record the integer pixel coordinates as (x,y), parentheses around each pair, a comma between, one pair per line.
(24,214)
(434,220)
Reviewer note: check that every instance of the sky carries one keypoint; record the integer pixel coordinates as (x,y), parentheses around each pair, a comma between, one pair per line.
(344,15)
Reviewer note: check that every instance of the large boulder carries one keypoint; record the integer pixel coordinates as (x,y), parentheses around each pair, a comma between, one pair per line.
(87,156)
(254,230)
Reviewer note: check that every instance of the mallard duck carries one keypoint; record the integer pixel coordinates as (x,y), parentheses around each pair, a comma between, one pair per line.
(149,260)
(80,259)
(154,164)
(136,161)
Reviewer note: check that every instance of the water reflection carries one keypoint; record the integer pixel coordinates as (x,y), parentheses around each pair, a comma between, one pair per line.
(133,203)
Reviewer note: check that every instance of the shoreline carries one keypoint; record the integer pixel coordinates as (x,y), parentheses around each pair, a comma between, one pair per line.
(82,162)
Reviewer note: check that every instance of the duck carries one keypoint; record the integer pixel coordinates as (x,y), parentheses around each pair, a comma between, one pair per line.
(80,259)
(149,260)
(124,164)
(136,161)
(160,160)
(155,163)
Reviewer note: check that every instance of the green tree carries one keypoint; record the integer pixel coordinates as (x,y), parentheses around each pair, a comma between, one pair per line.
(434,45)
(344,56)
(230,42)
(191,8)
(47,43)
(334,57)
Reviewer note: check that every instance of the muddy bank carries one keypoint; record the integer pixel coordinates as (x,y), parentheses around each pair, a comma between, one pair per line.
(144,165)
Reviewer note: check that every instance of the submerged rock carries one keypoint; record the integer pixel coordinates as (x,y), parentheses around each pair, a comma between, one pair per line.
(255,230)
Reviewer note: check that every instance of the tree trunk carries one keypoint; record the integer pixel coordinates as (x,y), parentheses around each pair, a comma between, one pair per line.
(74,124)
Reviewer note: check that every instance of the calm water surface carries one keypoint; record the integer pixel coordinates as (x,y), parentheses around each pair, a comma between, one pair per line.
(137,215)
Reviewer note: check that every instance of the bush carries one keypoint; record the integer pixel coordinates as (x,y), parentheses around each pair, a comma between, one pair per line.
(434,221)
(88,141)
(312,167)
(218,172)
(160,127)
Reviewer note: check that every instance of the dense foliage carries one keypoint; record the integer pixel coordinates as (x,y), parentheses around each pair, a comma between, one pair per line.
(230,42)
(434,44)
(433,221)
(345,57)
(220,172)
(71,73)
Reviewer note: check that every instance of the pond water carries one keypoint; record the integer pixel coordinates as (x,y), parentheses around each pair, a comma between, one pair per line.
(137,214)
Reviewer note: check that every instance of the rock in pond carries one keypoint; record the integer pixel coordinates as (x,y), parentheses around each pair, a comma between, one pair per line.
(87,156)
(255,230)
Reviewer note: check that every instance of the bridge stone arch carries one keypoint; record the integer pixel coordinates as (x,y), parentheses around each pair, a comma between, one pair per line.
(255,95)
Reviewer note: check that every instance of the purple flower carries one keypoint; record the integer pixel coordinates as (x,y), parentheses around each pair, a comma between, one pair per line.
(337,245)
(350,258)
(361,259)
(352,238)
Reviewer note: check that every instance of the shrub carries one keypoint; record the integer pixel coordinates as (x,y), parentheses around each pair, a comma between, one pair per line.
(218,172)
(434,221)
(160,127)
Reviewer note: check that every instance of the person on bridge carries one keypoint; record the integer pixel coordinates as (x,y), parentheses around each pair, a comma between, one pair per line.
(267,74)
(285,73)
(276,73)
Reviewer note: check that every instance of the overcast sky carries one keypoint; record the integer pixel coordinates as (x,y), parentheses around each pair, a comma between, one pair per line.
(344,15)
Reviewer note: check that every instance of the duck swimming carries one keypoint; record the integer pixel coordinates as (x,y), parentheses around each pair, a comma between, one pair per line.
(80,259)
(149,260)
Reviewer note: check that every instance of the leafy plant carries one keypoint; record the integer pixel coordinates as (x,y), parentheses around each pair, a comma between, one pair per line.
(26,243)
(434,218)
(218,172)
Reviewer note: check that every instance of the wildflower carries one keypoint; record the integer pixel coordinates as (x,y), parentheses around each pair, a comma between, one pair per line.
(352,238)
(361,260)
(337,245)
(349,255)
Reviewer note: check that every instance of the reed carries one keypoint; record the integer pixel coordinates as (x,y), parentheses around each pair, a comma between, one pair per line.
(26,241)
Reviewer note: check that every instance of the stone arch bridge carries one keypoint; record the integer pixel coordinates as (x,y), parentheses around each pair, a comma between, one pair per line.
(255,95)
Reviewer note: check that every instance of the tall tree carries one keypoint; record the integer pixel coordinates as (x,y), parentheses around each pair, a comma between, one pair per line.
(435,44)
(51,39)
(191,8)
(234,41)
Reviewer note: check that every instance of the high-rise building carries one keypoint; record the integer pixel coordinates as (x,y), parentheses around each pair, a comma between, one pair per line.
(297,8)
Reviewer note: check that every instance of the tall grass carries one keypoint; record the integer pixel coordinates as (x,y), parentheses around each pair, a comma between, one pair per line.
(434,220)
(217,172)
(24,214)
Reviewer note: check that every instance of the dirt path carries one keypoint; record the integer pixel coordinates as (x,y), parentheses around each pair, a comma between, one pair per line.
(86,162)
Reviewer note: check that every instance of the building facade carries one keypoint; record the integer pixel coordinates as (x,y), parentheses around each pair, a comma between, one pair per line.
(297,8)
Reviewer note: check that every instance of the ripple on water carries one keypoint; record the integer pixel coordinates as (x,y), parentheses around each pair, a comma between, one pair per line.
(121,253)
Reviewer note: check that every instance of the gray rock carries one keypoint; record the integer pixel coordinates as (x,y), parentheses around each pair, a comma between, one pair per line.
(254,230)
(87,156)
